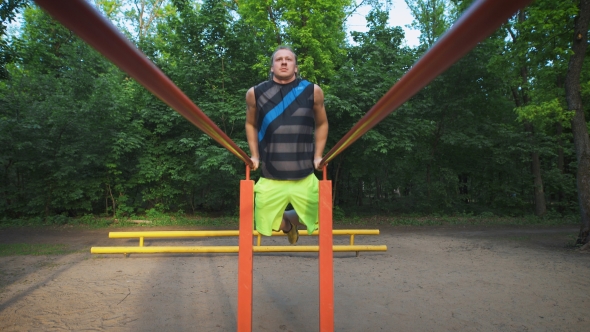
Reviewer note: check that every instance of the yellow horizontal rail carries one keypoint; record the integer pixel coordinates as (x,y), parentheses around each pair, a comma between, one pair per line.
(229,249)
(172,234)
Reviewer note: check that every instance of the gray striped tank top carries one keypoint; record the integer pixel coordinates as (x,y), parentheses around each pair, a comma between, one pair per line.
(285,120)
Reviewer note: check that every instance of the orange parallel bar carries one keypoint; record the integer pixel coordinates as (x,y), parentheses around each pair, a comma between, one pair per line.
(245,255)
(84,20)
(326,255)
(478,22)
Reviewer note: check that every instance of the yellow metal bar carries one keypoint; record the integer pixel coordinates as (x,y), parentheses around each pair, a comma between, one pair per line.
(228,249)
(166,234)
(259,239)
(171,234)
(351,239)
(141,241)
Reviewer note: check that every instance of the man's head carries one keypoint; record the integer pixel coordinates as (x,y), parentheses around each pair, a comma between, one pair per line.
(283,65)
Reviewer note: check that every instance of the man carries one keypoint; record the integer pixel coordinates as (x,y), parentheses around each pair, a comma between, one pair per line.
(281,117)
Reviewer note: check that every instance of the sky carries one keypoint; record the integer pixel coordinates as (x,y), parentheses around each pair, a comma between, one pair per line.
(399,15)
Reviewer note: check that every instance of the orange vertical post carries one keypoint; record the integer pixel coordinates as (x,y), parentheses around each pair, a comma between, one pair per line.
(245,255)
(326,256)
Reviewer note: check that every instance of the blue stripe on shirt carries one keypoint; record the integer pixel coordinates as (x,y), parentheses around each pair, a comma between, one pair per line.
(280,108)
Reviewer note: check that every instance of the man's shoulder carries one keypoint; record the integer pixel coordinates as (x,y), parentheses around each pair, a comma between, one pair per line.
(263,84)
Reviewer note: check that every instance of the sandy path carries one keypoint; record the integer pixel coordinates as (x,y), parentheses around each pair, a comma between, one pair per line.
(430,279)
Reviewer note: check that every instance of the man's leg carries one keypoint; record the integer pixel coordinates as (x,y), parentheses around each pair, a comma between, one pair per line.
(290,216)
(289,225)
(303,194)
(270,202)
(305,198)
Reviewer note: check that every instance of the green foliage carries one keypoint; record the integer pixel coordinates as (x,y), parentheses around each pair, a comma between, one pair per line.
(431,17)
(315,29)
(338,213)
(8,11)
(545,114)
(82,144)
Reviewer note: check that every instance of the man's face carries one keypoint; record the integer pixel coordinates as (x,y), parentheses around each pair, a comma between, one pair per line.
(283,66)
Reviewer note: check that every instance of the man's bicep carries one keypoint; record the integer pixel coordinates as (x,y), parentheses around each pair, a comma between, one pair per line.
(250,107)
(319,110)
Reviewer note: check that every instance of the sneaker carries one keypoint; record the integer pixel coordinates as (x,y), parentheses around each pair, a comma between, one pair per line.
(292,234)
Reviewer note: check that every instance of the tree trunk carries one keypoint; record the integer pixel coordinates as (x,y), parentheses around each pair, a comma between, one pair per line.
(377,189)
(579,127)
(540,205)
(48,201)
(521,98)
(538,191)
(464,188)
(114,203)
(428,179)
(360,193)
(7,183)
(560,165)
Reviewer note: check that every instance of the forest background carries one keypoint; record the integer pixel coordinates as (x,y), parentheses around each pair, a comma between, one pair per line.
(492,136)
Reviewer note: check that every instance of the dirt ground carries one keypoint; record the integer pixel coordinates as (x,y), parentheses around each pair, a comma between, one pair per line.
(430,279)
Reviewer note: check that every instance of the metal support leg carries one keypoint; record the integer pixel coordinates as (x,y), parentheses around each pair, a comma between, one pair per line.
(245,255)
(326,257)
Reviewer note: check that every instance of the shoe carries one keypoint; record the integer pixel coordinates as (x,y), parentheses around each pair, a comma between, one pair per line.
(292,234)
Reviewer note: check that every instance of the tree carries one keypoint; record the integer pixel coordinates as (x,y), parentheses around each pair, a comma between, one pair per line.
(52,151)
(374,64)
(315,30)
(579,124)
(79,136)
(515,58)
(8,11)
(431,17)
(144,15)
(544,40)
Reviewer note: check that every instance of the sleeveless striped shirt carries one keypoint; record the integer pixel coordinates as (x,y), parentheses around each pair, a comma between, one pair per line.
(285,121)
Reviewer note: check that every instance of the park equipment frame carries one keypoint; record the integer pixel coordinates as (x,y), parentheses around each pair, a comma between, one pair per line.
(142,235)
(325,261)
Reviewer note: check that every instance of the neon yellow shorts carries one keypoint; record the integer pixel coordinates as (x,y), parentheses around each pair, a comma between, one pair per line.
(273,196)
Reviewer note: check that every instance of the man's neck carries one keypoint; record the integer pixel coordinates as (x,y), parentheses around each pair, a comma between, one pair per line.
(284,81)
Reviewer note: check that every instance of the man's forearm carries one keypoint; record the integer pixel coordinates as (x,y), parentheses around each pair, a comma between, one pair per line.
(321,136)
(252,137)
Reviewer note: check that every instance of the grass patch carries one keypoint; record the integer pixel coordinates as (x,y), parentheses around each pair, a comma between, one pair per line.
(454,220)
(156,218)
(87,221)
(20,249)
(178,220)
(97,222)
